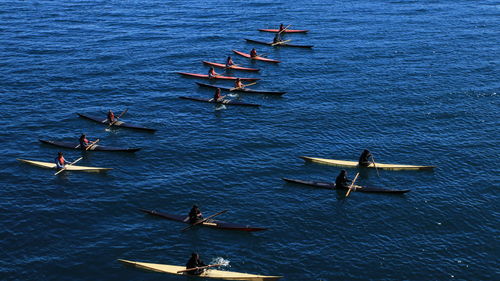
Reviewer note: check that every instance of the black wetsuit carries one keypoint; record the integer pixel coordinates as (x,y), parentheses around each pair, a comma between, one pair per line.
(364,159)
(195,215)
(195,262)
(342,182)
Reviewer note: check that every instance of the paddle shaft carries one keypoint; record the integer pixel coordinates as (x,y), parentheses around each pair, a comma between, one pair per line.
(68,165)
(285,28)
(203,220)
(376,169)
(201,267)
(236,88)
(92,144)
(281,42)
(352,184)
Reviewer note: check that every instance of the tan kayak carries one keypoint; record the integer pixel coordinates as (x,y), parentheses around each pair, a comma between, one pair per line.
(210,273)
(354,164)
(49,165)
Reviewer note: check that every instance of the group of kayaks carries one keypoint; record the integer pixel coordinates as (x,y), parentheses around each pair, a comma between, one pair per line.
(93,147)
(226,67)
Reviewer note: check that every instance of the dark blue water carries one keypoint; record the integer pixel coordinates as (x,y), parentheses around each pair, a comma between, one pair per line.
(415,82)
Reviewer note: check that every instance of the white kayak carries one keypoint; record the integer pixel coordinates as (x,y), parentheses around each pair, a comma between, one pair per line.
(49,165)
(354,164)
(210,273)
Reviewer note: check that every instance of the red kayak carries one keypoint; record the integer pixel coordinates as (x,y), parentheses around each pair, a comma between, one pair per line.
(286,30)
(216,77)
(221,65)
(255,58)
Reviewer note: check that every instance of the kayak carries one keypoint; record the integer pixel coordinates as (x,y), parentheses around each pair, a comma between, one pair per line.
(50,165)
(285,31)
(354,164)
(96,147)
(209,223)
(255,58)
(104,121)
(228,102)
(244,90)
(358,188)
(210,273)
(221,65)
(278,45)
(205,76)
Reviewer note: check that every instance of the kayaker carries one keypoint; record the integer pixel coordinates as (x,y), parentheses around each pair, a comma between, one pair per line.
(229,62)
(218,96)
(253,53)
(364,159)
(195,214)
(60,161)
(111,116)
(342,182)
(84,142)
(238,84)
(282,27)
(195,262)
(212,73)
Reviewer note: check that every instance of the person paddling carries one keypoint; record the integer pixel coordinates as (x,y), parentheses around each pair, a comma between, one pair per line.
(364,159)
(282,27)
(218,97)
(253,53)
(60,161)
(195,262)
(84,142)
(342,182)
(110,117)
(229,62)
(195,214)
(212,73)
(238,84)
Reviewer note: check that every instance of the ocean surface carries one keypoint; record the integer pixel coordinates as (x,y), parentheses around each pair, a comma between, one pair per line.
(415,82)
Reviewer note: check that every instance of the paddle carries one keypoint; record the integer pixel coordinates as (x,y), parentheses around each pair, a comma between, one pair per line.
(352,184)
(116,119)
(237,88)
(376,169)
(281,42)
(68,165)
(285,28)
(203,220)
(201,267)
(91,145)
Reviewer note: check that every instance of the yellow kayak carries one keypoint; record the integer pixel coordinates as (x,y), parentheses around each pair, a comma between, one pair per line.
(354,164)
(210,273)
(68,167)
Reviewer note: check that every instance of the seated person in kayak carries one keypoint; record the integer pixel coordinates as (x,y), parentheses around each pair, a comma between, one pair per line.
(229,62)
(195,262)
(282,27)
(238,84)
(60,161)
(364,159)
(342,182)
(212,73)
(84,142)
(218,97)
(195,214)
(111,116)
(253,53)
